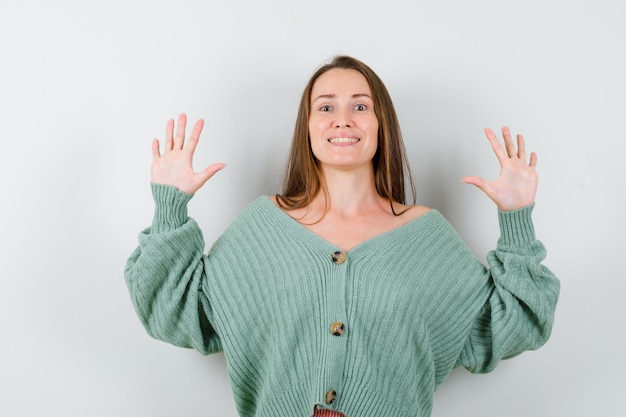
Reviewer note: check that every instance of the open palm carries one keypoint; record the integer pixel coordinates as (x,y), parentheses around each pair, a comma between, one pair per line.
(175,166)
(516,186)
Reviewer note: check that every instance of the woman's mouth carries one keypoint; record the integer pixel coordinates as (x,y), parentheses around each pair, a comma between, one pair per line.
(343,140)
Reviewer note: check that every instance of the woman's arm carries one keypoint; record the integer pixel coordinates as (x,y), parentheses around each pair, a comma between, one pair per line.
(519,312)
(165,274)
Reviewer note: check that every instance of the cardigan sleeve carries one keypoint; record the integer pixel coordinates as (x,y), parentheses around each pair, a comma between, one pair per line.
(165,276)
(519,311)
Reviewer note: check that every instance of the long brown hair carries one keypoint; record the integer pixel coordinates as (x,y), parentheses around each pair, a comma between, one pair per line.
(303,179)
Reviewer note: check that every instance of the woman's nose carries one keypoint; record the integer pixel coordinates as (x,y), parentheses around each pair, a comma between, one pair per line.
(343,119)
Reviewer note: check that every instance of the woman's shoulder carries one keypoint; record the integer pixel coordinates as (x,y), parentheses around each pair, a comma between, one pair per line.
(410,212)
(273,199)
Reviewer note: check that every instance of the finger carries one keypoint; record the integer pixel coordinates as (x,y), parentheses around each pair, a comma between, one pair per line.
(155,149)
(480,183)
(508,142)
(179,139)
(208,172)
(495,145)
(194,137)
(521,148)
(533,160)
(477,181)
(169,135)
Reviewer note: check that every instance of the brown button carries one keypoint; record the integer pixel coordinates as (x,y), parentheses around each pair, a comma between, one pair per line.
(337,328)
(339,257)
(331,396)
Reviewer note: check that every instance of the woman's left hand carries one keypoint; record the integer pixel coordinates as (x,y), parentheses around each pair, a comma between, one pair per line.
(516,186)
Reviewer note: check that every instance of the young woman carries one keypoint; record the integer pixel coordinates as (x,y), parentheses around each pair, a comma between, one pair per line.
(337,297)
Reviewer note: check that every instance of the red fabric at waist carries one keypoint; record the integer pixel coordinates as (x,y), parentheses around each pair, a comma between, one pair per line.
(324,412)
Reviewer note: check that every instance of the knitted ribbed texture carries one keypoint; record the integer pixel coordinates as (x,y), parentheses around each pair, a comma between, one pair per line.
(414,303)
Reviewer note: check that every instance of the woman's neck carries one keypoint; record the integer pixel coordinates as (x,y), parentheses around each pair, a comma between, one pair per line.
(349,192)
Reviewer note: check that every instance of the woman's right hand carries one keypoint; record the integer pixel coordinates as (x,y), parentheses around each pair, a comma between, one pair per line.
(175,166)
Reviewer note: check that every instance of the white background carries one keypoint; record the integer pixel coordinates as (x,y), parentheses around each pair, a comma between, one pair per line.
(85,86)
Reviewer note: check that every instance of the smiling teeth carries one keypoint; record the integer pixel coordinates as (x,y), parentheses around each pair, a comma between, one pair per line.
(343,140)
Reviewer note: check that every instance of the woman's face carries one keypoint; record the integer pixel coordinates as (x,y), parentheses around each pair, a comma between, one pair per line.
(343,126)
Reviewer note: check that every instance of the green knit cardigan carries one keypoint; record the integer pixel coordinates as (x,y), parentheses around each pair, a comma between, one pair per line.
(371,332)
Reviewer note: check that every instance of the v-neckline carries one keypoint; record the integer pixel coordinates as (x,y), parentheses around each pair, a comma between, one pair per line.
(313,238)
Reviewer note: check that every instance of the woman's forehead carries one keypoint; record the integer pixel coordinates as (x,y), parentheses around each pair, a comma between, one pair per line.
(340,81)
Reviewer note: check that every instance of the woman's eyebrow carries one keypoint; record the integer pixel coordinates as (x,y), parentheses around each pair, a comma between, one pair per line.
(327,96)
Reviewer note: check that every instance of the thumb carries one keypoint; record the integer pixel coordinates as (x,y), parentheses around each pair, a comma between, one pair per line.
(477,181)
(209,171)
(481,184)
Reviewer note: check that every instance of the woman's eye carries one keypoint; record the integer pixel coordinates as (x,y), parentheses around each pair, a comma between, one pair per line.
(326,108)
(360,107)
